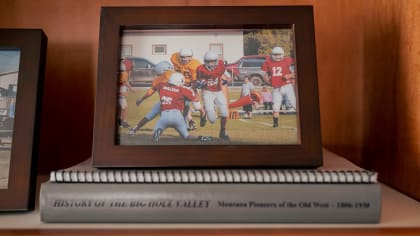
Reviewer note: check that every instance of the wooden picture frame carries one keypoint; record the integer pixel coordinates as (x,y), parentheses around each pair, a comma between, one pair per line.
(107,149)
(21,82)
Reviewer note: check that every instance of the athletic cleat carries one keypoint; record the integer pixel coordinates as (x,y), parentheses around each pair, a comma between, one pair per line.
(205,139)
(275,122)
(132,132)
(223,136)
(203,120)
(191,125)
(156,135)
(124,124)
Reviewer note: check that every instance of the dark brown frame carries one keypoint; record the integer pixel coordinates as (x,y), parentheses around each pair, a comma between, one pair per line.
(32,43)
(116,19)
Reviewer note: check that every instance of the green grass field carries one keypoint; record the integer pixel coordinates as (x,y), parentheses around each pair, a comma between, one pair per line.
(257,130)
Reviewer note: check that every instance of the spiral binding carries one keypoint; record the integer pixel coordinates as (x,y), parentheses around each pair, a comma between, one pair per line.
(215,176)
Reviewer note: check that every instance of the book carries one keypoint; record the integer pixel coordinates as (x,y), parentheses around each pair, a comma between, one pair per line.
(84,172)
(332,194)
(209,203)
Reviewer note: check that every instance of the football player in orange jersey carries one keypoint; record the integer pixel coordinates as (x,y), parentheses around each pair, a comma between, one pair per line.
(280,71)
(185,64)
(163,70)
(124,88)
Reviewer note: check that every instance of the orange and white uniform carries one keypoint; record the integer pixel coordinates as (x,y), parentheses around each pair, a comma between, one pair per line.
(189,70)
(163,78)
(124,88)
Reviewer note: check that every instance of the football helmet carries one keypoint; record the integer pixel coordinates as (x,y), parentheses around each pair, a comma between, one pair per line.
(185,55)
(210,60)
(176,79)
(277,53)
(162,67)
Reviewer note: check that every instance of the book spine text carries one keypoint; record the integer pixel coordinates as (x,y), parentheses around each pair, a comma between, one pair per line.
(210,203)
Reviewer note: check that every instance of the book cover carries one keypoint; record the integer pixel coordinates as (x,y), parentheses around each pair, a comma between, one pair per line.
(339,192)
(210,203)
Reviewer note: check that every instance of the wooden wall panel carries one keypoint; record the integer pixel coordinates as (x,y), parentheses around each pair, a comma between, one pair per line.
(405,166)
(339,41)
(381,39)
(71,27)
(391,140)
(368,73)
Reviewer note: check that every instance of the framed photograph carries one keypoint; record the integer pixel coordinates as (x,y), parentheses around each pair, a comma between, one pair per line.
(22,63)
(218,87)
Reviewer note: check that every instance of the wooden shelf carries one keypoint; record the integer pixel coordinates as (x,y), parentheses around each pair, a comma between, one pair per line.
(400,216)
(230,232)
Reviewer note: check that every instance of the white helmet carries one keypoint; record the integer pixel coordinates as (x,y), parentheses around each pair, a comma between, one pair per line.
(210,60)
(162,67)
(185,52)
(176,79)
(277,53)
(185,55)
